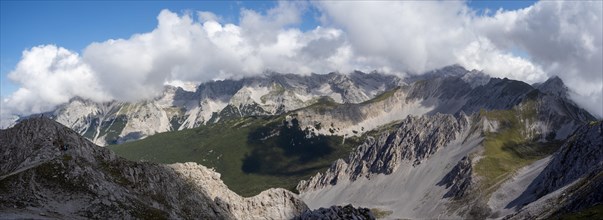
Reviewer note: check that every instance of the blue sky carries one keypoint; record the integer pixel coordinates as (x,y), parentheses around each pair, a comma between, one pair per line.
(74,25)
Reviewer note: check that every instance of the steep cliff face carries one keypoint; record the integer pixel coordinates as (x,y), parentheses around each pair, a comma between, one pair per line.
(354,119)
(581,155)
(570,182)
(48,170)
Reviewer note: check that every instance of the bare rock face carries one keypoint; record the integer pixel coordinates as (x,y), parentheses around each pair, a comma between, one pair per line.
(573,179)
(48,170)
(269,204)
(581,155)
(414,139)
(458,180)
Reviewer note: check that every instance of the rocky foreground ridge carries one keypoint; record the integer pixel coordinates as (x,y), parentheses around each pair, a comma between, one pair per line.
(48,170)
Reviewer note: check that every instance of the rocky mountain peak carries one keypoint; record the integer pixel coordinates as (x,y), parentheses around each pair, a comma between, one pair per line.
(554,86)
(447,71)
(476,78)
(39,139)
(452,70)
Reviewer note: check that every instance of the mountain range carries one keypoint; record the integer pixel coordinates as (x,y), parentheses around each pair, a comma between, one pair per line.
(177,109)
(450,143)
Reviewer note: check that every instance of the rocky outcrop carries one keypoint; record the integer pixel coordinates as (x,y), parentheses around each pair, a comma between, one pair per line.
(581,155)
(269,204)
(458,180)
(48,170)
(337,212)
(412,140)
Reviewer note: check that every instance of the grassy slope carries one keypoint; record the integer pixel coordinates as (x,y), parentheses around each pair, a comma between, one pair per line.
(509,148)
(225,146)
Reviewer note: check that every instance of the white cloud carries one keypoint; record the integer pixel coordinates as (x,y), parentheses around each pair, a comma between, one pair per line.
(483,55)
(560,38)
(181,48)
(402,35)
(50,75)
(415,37)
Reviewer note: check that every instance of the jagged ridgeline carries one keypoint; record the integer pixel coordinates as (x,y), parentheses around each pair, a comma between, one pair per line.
(183,108)
(489,155)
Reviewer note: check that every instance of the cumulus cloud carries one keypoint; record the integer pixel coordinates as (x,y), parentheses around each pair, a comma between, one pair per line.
(560,38)
(402,35)
(483,55)
(49,76)
(182,48)
(415,37)
(399,37)
(564,38)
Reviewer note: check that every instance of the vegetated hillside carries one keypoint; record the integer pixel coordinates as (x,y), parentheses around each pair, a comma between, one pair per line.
(48,171)
(252,153)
